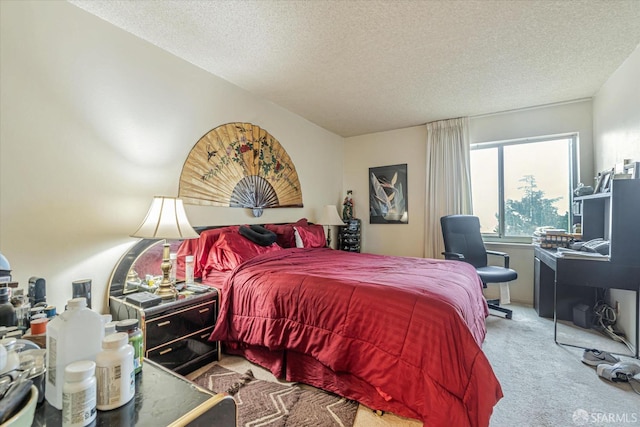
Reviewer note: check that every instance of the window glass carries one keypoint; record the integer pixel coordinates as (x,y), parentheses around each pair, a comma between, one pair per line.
(520,185)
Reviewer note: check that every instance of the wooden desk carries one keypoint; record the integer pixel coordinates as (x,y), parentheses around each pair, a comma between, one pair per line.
(162,398)
(579,277)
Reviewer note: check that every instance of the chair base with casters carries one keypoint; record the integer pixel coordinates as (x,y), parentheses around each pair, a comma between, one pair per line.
(463,242)
(494,304)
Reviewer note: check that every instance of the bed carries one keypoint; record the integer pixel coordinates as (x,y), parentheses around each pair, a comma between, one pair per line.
(396,334)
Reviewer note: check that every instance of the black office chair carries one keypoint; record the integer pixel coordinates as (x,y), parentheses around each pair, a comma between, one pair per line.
(463,242)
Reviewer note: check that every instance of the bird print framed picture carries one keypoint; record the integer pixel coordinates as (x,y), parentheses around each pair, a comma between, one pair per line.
(388,195)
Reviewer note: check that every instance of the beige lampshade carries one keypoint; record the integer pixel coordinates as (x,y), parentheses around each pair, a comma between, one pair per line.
(166,219)
(330,216)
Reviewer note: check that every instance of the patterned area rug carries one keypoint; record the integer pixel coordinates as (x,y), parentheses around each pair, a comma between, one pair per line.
(265,403)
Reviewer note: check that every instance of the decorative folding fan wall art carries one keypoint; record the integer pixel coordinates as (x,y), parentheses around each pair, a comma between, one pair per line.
(240,165)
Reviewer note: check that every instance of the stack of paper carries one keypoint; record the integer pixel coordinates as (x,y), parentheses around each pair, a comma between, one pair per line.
(573,254)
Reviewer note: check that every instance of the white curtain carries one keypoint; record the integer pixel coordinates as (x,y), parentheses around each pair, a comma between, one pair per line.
(448,178)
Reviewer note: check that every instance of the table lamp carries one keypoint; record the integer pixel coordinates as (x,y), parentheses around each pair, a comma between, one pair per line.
(330,217)
(166,219)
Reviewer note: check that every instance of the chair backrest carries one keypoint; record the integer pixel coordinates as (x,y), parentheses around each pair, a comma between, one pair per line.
(461,235)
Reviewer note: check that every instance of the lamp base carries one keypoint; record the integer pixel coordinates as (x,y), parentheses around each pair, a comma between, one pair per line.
(329,237)
(166,290)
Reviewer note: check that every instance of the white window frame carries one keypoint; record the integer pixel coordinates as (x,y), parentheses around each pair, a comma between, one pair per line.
(573,138)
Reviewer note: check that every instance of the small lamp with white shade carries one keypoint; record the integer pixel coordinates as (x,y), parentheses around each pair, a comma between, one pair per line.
(330,217)
(166,219)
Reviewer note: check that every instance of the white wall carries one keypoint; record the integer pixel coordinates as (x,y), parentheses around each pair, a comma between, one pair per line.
(95,122)
(383,149)
(616,123)
(408,146)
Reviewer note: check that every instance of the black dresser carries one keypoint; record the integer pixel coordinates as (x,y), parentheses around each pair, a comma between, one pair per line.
(349,235)
(176,333)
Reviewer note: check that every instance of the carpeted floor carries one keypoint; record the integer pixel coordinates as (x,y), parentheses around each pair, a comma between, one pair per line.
(544,384)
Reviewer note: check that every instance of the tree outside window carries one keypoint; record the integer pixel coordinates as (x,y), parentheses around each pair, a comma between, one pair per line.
(519,185)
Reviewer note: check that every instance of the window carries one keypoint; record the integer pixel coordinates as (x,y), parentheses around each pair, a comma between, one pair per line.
(519,185)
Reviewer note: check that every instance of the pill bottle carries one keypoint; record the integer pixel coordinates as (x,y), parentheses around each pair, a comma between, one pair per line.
(188,270)
(114,372)
(79,394)
(173,258)
(130,326)
(39,326)
(76,334)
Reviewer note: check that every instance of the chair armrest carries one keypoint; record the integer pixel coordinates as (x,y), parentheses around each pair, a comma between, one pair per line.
(502,254)
(453,256)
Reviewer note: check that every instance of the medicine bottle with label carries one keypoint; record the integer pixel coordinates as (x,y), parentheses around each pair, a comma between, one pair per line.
(130,326)
(188,270)
(79,394)
(114,372)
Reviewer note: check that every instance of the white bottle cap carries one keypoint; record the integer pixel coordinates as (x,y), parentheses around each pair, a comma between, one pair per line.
(116,340)
(188,258)
(80,302)
(79,371)
(110,328)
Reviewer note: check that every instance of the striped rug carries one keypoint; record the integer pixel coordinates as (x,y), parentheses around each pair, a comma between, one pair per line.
(270,404)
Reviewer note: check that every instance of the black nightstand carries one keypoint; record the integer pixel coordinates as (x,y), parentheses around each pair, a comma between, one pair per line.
(176,332)
(349,236)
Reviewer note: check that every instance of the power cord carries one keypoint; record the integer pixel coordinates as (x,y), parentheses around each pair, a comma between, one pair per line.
(605,317)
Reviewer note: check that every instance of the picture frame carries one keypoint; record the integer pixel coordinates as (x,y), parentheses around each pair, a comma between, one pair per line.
(606,184)
(603,182)
(597,188)
(388,196)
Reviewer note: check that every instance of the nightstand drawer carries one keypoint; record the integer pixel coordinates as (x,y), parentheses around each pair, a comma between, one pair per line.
(180,354)
(171,326)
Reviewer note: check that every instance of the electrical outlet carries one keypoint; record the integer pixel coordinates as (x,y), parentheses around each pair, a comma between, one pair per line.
(617,307)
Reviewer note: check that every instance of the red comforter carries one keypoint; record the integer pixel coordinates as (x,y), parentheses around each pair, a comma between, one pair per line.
(412,328)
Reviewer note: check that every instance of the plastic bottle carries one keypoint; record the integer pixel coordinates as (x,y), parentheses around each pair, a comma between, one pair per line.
(76,334)
(114,372)
(79,394)
(130,326)
(7,312)
(173,258)
(110,328)
(188,270)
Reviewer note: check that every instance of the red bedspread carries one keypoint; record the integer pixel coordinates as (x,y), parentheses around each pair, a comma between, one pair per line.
(412,328)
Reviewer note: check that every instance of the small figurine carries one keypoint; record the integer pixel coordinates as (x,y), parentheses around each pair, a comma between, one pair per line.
(347,206)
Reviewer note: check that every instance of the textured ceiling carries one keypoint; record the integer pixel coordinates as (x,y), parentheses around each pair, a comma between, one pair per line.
(357,67)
